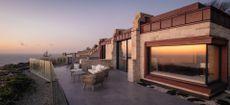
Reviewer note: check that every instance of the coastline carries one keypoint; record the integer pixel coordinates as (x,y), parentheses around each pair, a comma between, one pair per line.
(20,58)
(18,66)
(35,90)
(6,59)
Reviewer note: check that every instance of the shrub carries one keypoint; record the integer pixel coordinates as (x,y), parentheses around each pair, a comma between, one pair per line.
(15,88)
(14,66)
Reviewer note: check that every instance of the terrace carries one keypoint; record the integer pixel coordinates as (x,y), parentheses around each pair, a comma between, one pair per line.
(116,91)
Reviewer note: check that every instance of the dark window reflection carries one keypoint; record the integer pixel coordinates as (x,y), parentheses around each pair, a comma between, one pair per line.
(103,52)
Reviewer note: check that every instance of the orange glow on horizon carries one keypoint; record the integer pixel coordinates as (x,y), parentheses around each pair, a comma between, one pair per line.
(179,50)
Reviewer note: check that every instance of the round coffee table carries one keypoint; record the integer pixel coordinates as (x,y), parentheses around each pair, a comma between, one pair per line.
(78,73)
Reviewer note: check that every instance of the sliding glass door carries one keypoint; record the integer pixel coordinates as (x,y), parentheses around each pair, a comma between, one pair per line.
(123,54)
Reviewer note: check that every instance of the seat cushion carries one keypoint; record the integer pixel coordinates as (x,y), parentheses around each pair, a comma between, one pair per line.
(76,66)
(92,71)
(94,67)
(98,68)
(102,67)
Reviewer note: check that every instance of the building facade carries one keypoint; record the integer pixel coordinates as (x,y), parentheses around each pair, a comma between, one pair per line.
(186,49)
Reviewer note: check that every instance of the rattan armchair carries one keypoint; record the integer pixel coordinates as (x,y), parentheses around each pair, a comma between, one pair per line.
(106,73)
(91,80)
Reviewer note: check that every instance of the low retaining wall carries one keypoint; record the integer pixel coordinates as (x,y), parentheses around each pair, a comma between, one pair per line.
(86,64)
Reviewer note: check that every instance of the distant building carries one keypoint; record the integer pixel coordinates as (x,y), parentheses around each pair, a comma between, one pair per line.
(89,53)
(70,57)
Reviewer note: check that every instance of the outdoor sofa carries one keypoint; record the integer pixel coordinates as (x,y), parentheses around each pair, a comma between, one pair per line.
(96,75)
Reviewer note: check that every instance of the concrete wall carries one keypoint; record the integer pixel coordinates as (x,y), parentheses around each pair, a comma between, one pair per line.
(199,29)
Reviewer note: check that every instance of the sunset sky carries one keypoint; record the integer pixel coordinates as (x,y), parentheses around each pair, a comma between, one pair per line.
(34,26)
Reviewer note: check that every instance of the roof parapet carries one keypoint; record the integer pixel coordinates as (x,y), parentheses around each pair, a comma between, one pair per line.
(140,18)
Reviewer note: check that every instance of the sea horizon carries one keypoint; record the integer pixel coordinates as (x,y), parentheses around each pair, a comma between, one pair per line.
(10,58)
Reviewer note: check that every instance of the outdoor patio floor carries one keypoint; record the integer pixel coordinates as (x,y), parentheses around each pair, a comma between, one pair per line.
(116,91)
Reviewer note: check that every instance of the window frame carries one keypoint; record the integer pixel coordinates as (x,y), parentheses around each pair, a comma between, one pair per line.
(208,40)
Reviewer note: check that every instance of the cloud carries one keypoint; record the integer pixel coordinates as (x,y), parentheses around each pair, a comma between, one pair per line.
(22,44)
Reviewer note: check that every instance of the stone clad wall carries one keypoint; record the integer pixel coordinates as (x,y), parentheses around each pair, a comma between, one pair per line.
(220,31)
(199,29)
(114,55)
(134,70)
(94,55)
(109,49)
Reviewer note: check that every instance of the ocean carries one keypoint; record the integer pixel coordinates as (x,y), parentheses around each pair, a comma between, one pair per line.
(17,58)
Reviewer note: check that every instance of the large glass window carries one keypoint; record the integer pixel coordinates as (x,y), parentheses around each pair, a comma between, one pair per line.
(187,62)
